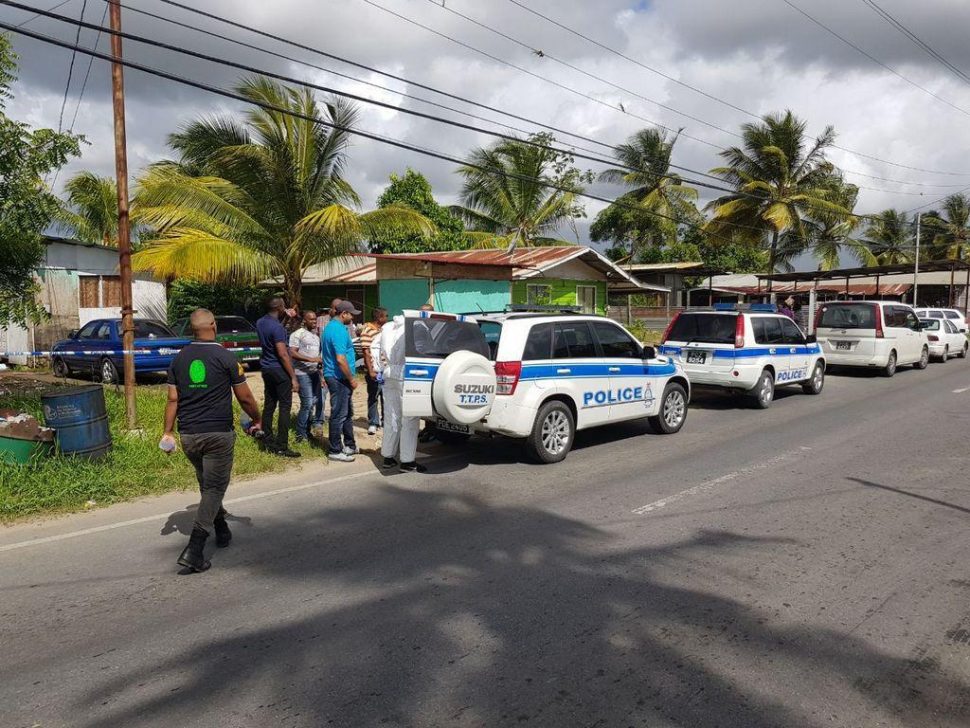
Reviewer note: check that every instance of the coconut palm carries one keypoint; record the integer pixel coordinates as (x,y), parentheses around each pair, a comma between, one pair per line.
(91,212)
(663,196)
(507,199)
(951,228)
(890,238)
(264,198)
(779,182)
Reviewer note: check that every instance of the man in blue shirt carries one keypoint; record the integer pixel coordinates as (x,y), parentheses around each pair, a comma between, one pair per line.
(279,379)
(339,366)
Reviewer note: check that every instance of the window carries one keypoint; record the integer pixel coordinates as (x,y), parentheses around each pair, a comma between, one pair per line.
(909,319)
(110,292)
(931,324)
(151,330)
(436,338)
(952,315)
(538,294)
(492,331)
(87,332)
(950,328)
(89,292)
(850,316)
(586,298)
(233,325)
(790,332)
(104,332)
(574,340)
(539,343)
(773,333)
(704,328)
(936,314)
(615,342)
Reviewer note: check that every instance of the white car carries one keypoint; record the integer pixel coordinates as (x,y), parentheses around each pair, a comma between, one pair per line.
(951,314)
(945,340)
(752,350)
(538,377)
(875,334)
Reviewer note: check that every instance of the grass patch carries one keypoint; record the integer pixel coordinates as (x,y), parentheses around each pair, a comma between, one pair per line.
(134,466)
(649,337)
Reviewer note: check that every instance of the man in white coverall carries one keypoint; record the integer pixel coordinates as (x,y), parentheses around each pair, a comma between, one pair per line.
(387,353)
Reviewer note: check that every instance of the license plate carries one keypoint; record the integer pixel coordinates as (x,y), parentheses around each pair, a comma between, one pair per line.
(843,345)
(696,357)
(452,427)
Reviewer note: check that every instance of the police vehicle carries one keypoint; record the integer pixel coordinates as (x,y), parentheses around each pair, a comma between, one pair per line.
(751,349)
(540,377)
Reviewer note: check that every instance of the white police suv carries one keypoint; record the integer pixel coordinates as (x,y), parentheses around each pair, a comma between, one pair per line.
(749,348)
(537,376)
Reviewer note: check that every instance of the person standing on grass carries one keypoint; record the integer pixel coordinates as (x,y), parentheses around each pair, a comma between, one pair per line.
(339,364)
(279,379)
(305,352)
(201,382)
(374,398)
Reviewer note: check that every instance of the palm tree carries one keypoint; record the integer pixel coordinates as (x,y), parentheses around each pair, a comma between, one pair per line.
(951,229)
(91,212)
(507,199)
(259,199)
(778,181)
(890,238)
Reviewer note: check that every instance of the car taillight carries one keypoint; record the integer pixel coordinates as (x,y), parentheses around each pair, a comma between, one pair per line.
(880,334)
(739,332)
(933,337)
(507,375)
(670,326)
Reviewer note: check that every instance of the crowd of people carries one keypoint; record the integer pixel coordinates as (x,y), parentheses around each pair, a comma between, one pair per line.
(311,355)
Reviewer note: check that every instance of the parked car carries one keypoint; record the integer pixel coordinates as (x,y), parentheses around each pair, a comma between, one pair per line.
(875,334)
(951,314)
(536,377)
(945,340)
(234,332)
(97,349)
(752,350)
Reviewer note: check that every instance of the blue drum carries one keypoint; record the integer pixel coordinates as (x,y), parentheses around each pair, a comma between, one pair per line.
(80,419)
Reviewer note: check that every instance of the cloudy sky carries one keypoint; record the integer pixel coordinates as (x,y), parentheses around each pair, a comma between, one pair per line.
(753,56)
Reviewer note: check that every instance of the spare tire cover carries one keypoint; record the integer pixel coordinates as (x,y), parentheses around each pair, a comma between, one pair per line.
(464,387)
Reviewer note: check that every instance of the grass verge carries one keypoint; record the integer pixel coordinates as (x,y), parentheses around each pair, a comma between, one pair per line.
(134,467)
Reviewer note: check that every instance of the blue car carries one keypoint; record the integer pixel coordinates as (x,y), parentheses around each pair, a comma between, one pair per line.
(97,349)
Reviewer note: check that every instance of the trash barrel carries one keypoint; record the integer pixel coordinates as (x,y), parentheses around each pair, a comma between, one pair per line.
(80,419)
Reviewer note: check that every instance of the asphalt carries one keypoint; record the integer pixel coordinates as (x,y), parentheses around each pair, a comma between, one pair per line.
(800,566)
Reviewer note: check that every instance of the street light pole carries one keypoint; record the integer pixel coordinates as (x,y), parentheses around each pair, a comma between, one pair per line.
(124,225)
(916,266)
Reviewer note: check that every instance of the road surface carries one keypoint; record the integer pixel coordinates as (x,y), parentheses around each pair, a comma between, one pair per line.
(802,566)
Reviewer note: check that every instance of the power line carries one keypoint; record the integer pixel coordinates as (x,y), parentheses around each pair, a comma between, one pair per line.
(32,18)
(718,99)
(87,74)
(70,70)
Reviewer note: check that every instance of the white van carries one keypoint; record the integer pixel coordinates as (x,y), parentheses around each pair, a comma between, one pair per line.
(875,334)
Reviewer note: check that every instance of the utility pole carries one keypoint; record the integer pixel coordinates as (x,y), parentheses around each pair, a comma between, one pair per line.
(124,226)
(916,266)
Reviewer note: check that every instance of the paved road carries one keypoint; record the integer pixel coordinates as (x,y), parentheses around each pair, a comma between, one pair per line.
(804,566)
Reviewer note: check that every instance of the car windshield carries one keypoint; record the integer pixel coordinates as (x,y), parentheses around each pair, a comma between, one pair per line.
(848,316)
(436,338)
(704,328)
(233,325)
(152,330)
(930,324)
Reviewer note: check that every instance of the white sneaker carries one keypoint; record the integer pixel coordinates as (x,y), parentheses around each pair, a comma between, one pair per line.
(351,451)
(372,430)
(341,457)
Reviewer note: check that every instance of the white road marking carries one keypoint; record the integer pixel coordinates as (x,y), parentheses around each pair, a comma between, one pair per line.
(710,484)
(961,391)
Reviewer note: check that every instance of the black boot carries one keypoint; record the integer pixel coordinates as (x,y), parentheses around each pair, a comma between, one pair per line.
(193,557)
(223,534)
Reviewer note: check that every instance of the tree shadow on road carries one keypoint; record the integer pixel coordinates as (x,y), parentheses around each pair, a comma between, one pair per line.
(433,608)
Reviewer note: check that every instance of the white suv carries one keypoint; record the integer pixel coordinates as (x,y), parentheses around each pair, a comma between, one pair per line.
(950,314)
(876,334)
(540,377)
(753,350)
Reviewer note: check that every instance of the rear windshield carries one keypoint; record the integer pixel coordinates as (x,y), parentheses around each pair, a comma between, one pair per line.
(704,328)
(930,324)
(848,316)
(233,325)
(436,338)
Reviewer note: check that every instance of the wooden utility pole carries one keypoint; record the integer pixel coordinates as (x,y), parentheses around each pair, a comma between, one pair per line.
(124,226)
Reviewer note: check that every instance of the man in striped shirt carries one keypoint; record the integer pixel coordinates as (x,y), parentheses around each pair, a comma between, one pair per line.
(367,334)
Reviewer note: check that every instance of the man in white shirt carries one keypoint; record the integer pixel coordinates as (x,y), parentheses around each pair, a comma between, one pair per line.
(305,353)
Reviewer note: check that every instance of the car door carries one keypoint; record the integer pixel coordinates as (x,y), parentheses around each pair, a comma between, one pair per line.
(582,372)
(631,390)
(779,352)
(84,342)
(799,361)
(954,338)
(915,337)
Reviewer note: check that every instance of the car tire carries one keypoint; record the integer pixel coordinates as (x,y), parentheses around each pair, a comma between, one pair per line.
(890,368)
(108,372)
(451,438)
(673,410)
(817,382)
(60,368)
(552,433)
(763,393)
(924,359)
(946,354)
(963,351)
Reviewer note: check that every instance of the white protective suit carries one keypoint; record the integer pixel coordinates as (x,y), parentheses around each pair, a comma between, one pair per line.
(387,352)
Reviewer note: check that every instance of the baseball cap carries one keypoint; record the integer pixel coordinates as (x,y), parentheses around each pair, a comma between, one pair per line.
(347,307)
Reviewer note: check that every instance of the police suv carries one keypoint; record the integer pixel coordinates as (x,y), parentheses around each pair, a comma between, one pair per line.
(748,348)
(536,376)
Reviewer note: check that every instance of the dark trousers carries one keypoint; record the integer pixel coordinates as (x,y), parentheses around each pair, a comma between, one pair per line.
(211,455)
(277,391)
(341,415)
(319,399)
(375,399)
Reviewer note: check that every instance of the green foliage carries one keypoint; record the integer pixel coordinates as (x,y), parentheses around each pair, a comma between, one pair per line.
(949,230)
(694,245)
(26,205)
(91,212)
(414,191)
(223,299)
(890,238)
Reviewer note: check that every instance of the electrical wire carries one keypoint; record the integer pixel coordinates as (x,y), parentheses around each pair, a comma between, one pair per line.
(70,69)
(32,18)
(87,74)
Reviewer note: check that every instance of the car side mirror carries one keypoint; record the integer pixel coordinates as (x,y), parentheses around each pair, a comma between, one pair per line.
(649,352)
(811,339)
(73,334)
